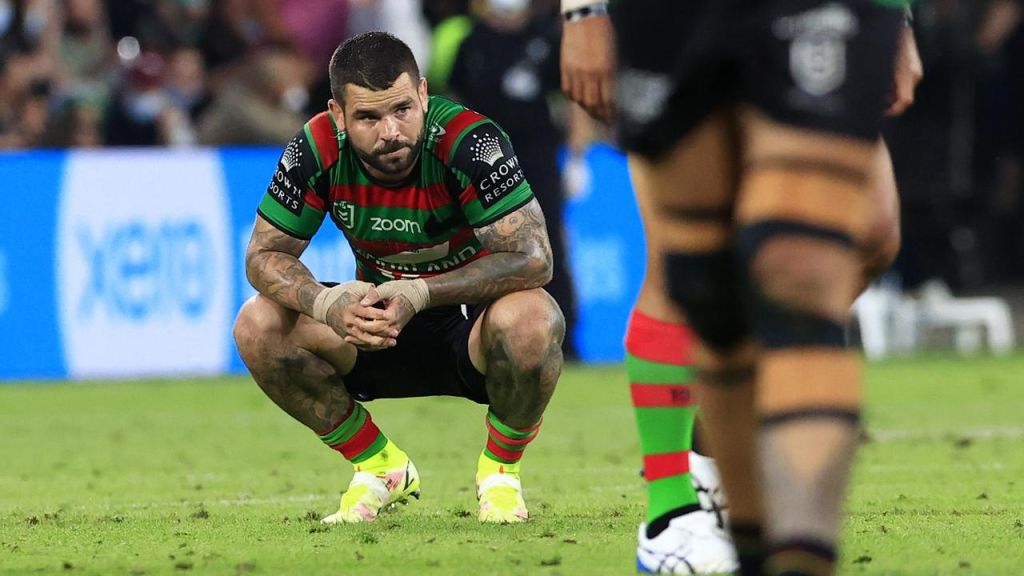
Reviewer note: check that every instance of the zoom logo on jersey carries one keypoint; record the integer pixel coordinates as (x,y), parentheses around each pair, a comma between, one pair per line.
(492,164)
(395,224)
(144,277)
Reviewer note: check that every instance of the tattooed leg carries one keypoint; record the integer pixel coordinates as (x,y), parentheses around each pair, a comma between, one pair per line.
(297,361)
(519,349)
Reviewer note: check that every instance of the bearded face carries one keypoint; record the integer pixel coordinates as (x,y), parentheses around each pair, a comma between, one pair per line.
(386,128)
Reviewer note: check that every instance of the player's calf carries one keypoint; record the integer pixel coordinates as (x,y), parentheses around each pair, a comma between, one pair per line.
(521,343)
(708,286)
(277,346)
(521,337)
(799,241)
(282,350)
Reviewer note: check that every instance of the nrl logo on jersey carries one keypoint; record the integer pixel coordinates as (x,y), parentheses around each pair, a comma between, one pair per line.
(817,53)
(345,212)
(435,132)
(643,94)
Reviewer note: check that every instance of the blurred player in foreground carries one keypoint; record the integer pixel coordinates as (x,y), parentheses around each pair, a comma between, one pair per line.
(678,536)
(451,252)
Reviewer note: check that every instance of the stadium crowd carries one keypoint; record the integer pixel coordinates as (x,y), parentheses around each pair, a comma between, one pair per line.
(86,73)
(176,72)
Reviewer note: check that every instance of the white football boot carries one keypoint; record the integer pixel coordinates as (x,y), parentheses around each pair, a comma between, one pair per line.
(708,484)
(692,544)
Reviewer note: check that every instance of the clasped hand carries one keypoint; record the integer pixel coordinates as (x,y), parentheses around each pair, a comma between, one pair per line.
(371,318)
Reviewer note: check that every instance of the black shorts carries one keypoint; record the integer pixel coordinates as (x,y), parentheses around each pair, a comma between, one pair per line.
(430,359)
(818,64)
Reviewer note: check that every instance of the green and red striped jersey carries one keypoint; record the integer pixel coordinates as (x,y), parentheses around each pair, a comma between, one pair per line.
(467,177)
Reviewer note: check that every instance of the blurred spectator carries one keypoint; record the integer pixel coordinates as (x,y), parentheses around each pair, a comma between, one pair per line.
(23,24)
(404,19)
(134,111)
(265,105)
(34,110)
(86,51)
(315,27)
(437,11)
(186,82)
(24,114)
(232,31)
(507,67)
(142,113)
(158,25)
(77,124)
(445,41)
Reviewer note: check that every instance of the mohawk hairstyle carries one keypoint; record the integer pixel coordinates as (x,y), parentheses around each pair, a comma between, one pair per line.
(371,60)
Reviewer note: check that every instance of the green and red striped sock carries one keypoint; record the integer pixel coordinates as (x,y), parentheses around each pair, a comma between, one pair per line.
(506,444)
(356,436)
(659,367)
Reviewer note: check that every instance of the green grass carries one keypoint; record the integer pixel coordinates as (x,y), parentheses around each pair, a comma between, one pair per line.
(207,476)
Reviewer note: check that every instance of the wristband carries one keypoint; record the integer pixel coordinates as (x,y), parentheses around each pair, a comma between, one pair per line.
(415,291)
(328,296)
(569,5)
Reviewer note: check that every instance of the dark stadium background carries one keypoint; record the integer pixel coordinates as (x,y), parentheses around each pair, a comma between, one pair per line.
(181,74)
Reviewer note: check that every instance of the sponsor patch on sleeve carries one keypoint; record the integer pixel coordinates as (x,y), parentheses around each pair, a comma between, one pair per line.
(487,157)
(287,187)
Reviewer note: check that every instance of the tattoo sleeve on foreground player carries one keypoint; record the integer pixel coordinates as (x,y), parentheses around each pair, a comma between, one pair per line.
(520,259)
(272,266)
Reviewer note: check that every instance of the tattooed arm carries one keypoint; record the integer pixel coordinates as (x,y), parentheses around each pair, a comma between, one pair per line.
(519,259)
(272,266)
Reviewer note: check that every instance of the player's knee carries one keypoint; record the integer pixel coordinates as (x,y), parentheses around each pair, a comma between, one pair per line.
(882,240)
(881,246)
(802,287)
(707,288)
(257,321)
(791,270)
(529,324)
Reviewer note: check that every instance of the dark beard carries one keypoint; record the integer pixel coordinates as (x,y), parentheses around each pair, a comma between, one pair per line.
(371,159)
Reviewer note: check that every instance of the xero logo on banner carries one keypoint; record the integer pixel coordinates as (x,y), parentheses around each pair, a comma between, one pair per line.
(137,271)
(143,268)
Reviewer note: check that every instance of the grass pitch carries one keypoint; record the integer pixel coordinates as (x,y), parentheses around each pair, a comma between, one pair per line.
(207,476)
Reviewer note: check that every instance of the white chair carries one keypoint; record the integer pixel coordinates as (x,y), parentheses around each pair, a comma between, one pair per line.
(968,317)
(894,323)
(873,310)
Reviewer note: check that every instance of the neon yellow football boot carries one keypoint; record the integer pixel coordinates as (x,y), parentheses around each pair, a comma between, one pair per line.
(500,492)
(381,482)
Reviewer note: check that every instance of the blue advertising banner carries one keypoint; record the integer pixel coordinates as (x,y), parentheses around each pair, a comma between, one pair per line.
(606,253)
(30,343)
(130,263)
